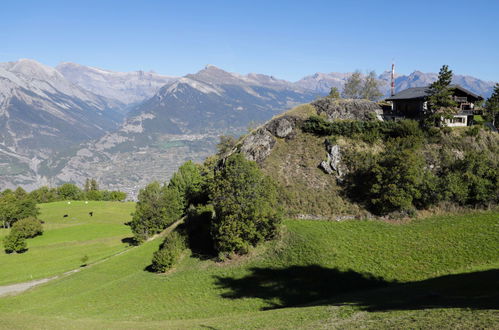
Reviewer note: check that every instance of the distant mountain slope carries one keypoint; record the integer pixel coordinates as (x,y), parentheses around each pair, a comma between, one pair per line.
(182,121)
(128,87)
(322,82)
(41,112)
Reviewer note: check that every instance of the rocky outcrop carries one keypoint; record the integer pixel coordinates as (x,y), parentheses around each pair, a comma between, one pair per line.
(258,145)
(333,164)
(347,109)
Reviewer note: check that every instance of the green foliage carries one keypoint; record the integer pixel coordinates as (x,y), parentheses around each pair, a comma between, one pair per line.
(188,182)
(368,131)
(396,180)
(84,260)
(91,185)
(226,144)
(157,207)
(440,96)
(14,242)
(15,206)
(353,86)
(473,180)
(69,191)
(357,87)
(245,203)
(169,252)
(334,93)
(28,227)
(44,195)
(370,90)
(492,106)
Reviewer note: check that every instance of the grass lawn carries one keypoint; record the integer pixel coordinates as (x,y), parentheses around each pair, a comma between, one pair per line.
(66,240)
(436,272)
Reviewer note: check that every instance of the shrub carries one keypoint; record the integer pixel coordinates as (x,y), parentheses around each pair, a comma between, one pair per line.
(188,182)
(69,191)
(245,203)
(156,208)
(169,252)
(28,227)
(396,181)
(14,242)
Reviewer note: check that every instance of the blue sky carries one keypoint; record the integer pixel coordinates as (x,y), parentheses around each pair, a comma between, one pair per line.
(287,39)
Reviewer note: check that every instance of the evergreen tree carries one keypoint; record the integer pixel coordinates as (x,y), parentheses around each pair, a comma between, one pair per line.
(334,93)
(353,86)
(492,106)
(440,102)
(87,185)
(94,186)
(245,203)
(370,89)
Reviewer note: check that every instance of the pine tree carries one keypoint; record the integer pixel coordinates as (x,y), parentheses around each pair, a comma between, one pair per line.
(440,96)
(94,186)
(492,106)
(334,93)
(87,185)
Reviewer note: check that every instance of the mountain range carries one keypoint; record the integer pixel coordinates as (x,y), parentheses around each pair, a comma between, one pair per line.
(125,129)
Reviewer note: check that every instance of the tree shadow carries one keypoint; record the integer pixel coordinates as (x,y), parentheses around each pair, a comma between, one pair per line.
(316,285)
(130,241)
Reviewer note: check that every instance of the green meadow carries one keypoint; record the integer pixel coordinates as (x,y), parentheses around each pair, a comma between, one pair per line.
(439,272)
(66,240)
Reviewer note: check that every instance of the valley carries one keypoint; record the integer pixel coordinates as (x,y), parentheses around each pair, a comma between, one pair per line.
(108,125)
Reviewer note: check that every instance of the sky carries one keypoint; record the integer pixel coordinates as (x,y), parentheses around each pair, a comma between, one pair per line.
(286,39)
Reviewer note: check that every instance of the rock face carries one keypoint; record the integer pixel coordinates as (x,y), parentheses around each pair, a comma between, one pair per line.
(258,145)
(347,109)
(333,163)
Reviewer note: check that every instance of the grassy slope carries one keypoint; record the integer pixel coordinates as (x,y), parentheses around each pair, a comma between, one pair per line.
(317,265)
(66,240)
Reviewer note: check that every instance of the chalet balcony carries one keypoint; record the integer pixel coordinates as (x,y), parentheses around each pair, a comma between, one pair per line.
(460,99)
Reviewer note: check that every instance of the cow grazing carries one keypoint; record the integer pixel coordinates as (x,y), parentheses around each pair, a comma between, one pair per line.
(91,214)
(65,216)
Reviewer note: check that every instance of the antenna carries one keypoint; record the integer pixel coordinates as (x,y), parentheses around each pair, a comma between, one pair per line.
(393,79)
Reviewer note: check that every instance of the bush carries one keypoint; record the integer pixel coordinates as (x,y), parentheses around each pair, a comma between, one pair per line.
(169,252)
(396,181)
(245,203)
(69,191)
(369,131)
(14,242)
(156,208)
(28,227)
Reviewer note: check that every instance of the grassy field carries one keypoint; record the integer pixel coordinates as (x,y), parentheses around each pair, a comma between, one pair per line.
(439,272)
(66,240)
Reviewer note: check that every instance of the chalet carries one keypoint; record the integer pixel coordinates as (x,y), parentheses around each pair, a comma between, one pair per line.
(412,103)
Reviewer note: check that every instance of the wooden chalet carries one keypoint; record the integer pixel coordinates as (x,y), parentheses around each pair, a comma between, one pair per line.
(412,103)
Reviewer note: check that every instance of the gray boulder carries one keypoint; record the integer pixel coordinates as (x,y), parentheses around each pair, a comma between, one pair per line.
(347,109)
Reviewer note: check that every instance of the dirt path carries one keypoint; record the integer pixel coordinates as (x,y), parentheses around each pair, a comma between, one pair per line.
(13,289)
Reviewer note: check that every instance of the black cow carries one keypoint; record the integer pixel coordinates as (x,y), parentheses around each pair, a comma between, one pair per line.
(91,214)
(65,216)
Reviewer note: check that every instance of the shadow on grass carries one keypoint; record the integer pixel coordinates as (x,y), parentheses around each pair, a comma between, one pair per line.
(316,285)
(130,241)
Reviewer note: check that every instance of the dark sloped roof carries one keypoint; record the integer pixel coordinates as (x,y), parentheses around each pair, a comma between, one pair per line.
(422,92)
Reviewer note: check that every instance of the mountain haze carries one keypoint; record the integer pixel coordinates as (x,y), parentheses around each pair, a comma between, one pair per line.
(127,87)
